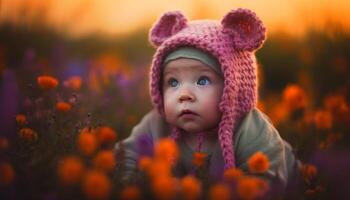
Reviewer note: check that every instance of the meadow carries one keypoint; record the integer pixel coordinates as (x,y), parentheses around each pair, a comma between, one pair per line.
(66,101)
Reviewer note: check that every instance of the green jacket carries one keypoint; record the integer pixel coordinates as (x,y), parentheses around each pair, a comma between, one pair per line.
(256,133)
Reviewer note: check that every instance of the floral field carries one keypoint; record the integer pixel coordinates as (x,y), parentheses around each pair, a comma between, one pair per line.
(66,102)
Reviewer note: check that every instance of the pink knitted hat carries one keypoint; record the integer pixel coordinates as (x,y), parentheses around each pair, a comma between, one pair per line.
(232,42)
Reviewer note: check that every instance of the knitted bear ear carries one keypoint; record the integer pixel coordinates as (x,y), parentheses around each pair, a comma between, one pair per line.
(245,27)
(168,24)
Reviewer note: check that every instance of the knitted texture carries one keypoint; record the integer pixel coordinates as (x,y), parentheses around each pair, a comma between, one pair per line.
(232,42)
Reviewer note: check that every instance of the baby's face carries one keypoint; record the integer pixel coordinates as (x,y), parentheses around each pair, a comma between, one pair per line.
(191,95)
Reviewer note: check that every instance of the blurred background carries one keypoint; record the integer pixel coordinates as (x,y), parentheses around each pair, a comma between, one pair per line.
(303,67)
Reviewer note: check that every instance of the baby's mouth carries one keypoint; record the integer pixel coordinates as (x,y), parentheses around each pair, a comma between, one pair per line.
(187,112)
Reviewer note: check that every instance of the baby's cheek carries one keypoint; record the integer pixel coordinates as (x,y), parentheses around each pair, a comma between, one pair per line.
(211,109)
(169,109)
(211,103)
(212,112)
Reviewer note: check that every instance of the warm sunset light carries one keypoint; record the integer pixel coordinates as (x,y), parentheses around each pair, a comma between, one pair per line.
(132,99)
(110,16)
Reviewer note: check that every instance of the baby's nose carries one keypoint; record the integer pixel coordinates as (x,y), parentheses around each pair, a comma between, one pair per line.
(186,95)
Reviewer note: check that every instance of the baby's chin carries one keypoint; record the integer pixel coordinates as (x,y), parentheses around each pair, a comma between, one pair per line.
(194,129)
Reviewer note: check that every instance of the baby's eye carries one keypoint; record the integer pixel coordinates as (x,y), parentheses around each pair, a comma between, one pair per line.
(173,82)
(203,80)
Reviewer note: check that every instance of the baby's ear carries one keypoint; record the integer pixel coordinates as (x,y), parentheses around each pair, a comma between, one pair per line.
(246,29)
(168,24)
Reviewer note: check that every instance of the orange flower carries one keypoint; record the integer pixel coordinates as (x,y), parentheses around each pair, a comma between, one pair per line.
(63,106)
(198,159)
(145,163)
(70,170)
(191,188)
(87,142)
(336,104)
(28,134)
(308,171)
(308,118)
(47,82)
(159,168)
(219,191)
(323,119)
(73,82)
(106,135)
(166,150)
(7,174)
(164,187)
(96,185)
(279,113)
(294,97)
(21,119)
(105,161)
(251,188)
(130,193)
(4,143)
(258,163)
(233,174)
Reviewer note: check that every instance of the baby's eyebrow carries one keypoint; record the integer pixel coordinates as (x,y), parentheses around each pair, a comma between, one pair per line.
(165,73)
(170,70)
(207,69)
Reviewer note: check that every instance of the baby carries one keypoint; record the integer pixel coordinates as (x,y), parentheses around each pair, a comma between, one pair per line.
(204,89)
